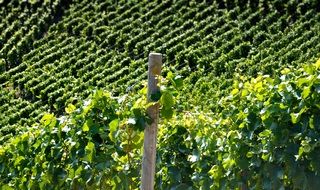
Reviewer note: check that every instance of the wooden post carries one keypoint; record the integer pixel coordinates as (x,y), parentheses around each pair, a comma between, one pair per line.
(244,185)
(150,132)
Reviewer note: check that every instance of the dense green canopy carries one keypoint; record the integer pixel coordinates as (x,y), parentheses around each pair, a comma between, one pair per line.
(250,86)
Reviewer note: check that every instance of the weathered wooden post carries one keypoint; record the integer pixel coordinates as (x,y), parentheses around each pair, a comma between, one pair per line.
(150,132)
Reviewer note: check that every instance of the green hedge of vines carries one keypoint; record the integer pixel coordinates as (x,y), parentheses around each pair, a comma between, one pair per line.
(264,135)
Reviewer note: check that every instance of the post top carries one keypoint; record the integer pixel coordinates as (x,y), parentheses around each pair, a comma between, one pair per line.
(155,54)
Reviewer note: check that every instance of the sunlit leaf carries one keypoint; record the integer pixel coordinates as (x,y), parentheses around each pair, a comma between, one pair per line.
(48,120)
(113,126)
(90,151)
(306,92)
(70,108)
(167,99)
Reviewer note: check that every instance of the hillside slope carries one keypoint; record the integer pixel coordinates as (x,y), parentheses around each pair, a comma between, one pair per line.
(53,52)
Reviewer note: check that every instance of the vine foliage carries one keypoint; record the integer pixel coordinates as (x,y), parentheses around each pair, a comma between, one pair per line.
(96,145)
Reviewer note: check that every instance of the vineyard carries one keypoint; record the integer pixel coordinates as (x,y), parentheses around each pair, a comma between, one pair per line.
(240,101)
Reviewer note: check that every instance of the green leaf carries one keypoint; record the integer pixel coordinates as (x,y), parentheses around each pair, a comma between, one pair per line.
(167,99)
(265,156)
(70,108)
(18,160)
(174,173)
(302,81)
(311,122)
(155,96)
(113,126)
(244,92)
(6,187)
(140,122)
(317,64)
(285,71)
(295,117)
(309,69)
(85,127)
(306,146)
(234,91)
(258,86)
(166,113)
(48,120)
(306,92)
(169,75)
(89,151)
(243,163)
(249,154)
(228,163)
(2,151)
(78,171)
(265,133)
(90,126)
(216,171)
(178,82)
